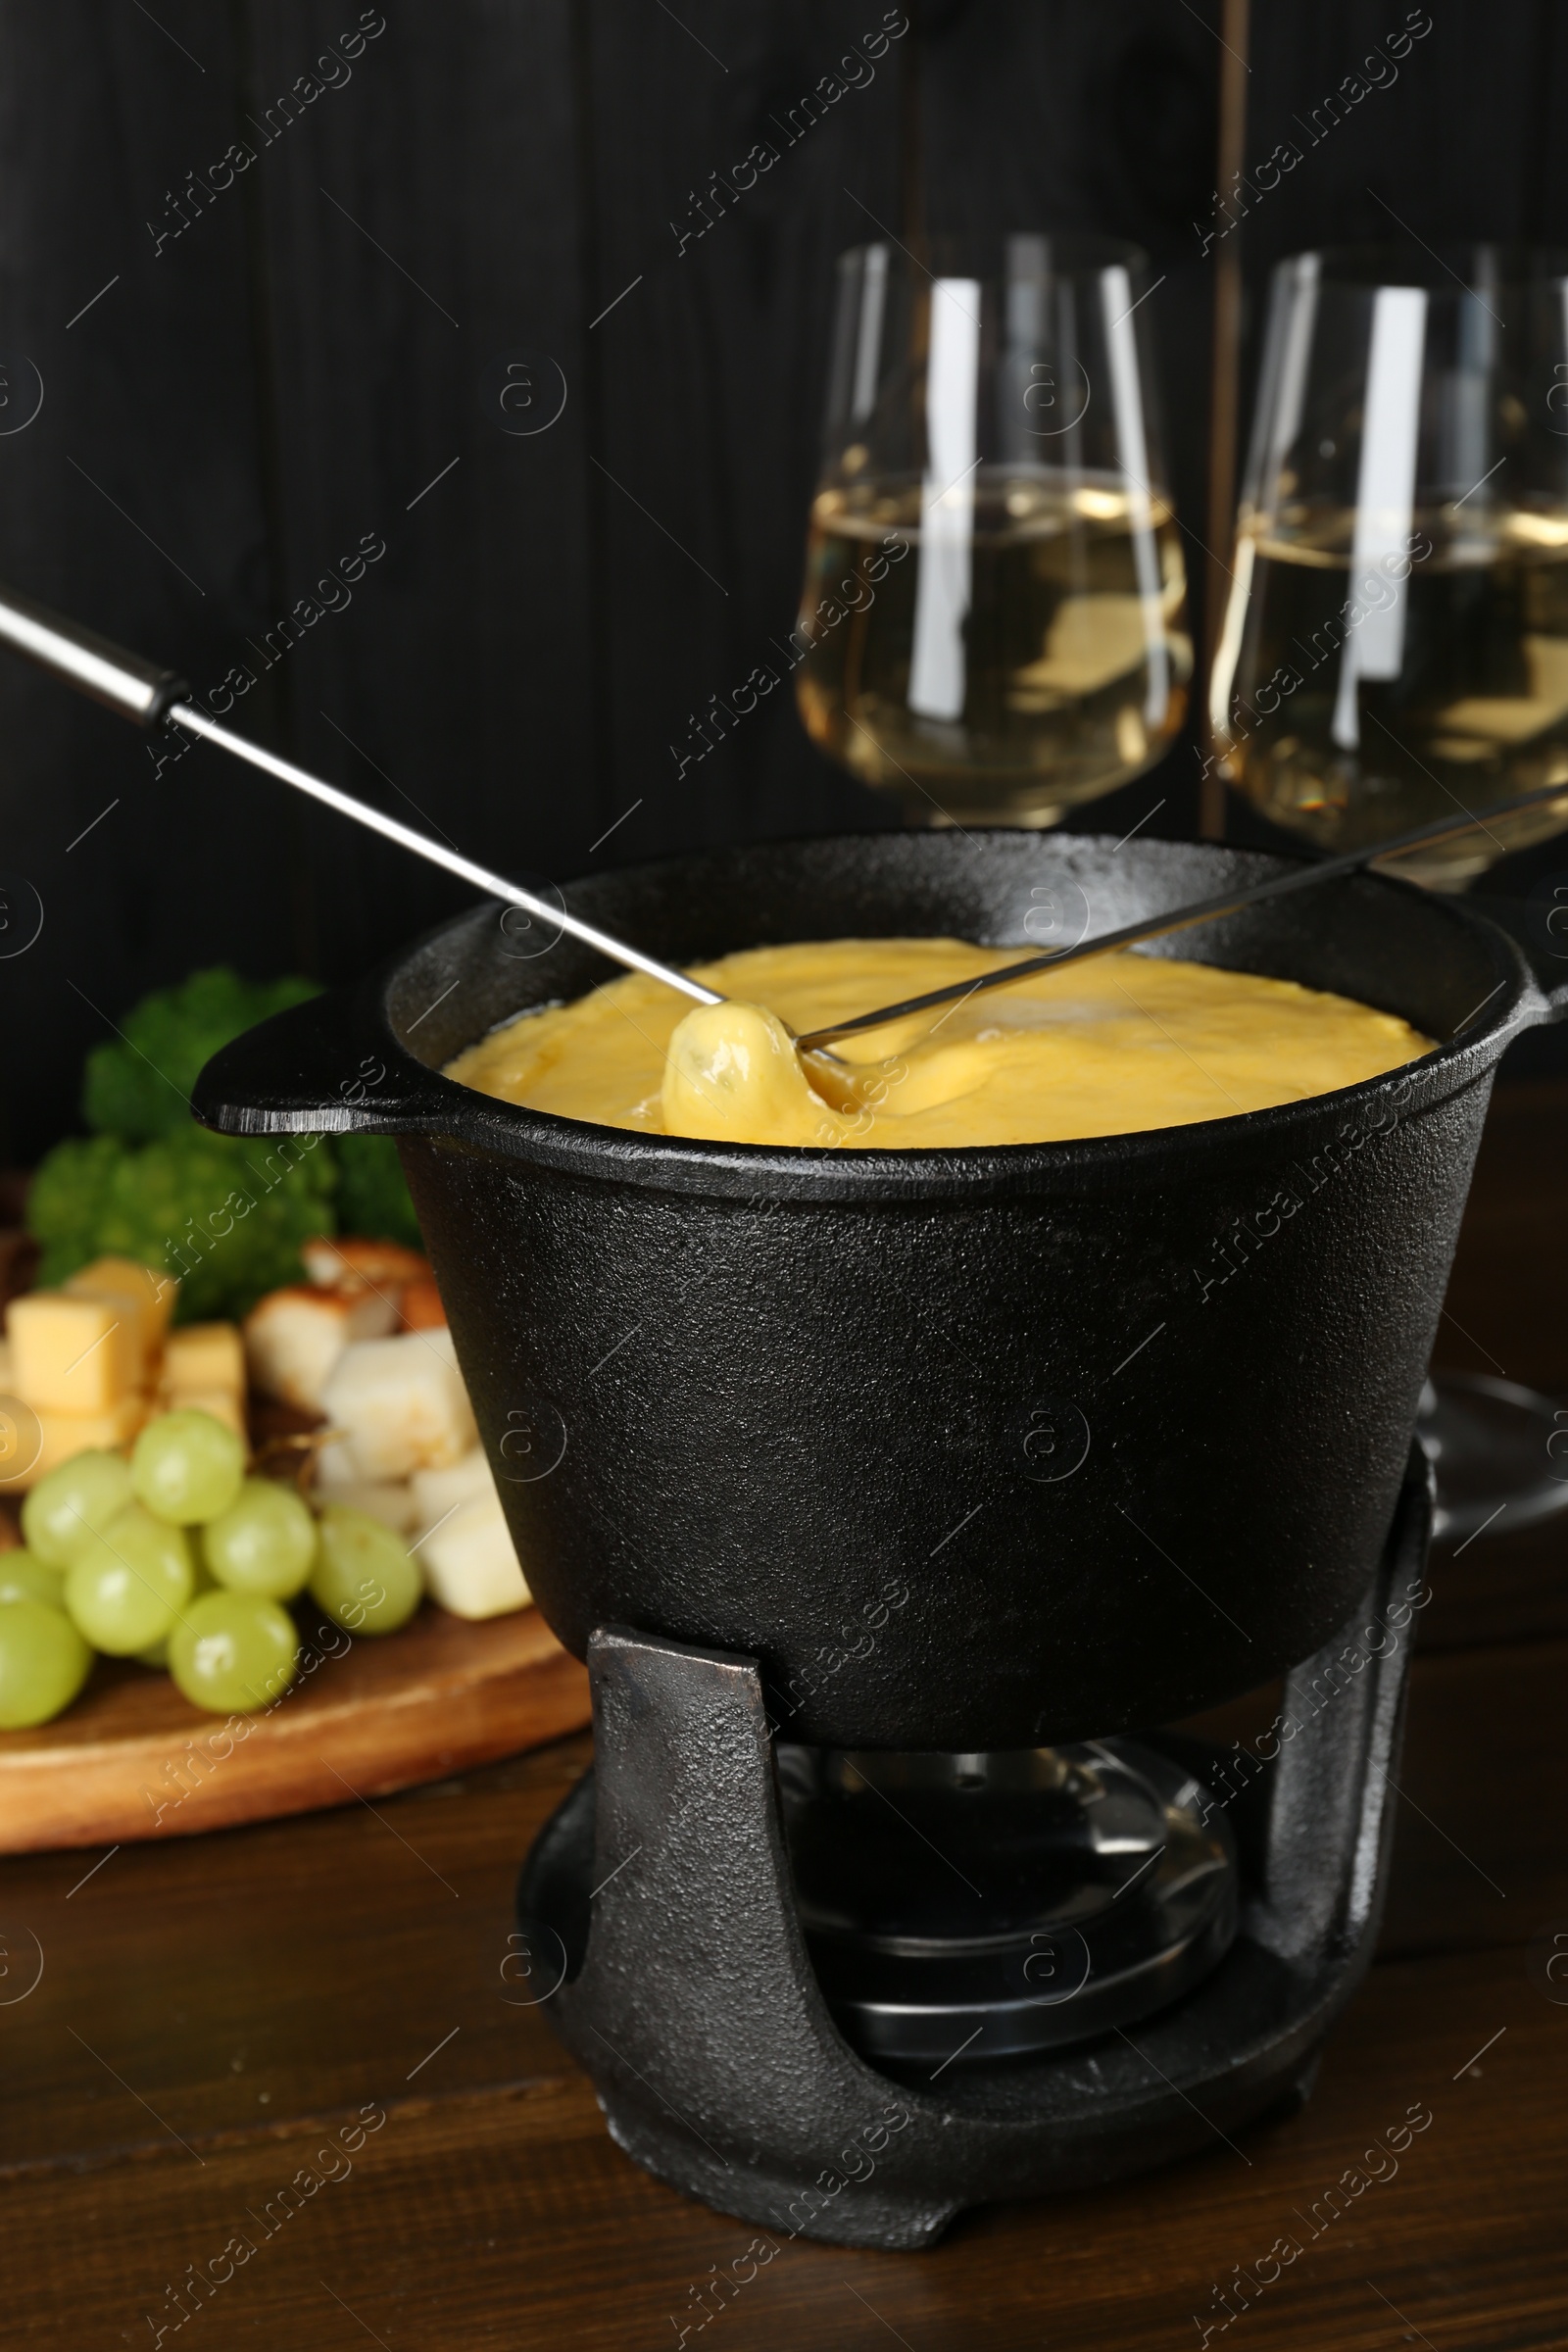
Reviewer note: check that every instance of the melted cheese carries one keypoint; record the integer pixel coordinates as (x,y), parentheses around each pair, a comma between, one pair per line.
(1112,1045)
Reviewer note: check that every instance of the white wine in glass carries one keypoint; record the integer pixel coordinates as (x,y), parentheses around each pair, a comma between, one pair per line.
(994,598)
(1396,641)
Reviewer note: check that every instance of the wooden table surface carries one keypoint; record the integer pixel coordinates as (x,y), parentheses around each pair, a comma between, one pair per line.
(322,2002)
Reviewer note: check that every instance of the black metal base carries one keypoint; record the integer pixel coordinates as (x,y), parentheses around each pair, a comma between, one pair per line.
(659,1909)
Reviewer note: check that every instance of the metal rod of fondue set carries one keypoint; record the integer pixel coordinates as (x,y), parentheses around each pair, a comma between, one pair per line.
(196,722)
(1198,910)
(141,691)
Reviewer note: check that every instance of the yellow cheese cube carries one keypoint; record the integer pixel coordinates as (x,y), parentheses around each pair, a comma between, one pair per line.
(204,1356)
(148,1296)
(60,1435)
(224,1405)
(19,1441)
(74,1353)
(130,1342)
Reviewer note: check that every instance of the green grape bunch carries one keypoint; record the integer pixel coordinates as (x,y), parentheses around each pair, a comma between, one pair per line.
(179,1561)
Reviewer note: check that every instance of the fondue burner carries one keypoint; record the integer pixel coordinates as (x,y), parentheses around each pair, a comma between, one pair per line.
(967,1908)
(773,1959)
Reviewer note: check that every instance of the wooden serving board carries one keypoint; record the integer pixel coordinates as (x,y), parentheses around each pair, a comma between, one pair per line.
(133,1759)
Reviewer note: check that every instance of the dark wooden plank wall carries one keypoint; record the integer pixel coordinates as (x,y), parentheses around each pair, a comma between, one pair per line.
(290,374)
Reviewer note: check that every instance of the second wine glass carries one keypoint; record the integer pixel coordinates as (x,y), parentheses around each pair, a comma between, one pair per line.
(1396,645)
(994,600)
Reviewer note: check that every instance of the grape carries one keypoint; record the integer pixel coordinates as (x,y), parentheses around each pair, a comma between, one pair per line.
(127,1585)
(186,1466)
(264,1543)
(66,1508)
(24,1577)
(43,1663)
(364,1577)
(154,1655)
(231,1653)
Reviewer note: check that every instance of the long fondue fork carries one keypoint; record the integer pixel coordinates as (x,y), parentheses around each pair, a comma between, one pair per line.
(139,690)
(1181,918)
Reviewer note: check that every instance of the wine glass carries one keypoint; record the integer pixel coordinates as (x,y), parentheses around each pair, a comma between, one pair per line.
(1395,645)
(1395,642)
(993,617)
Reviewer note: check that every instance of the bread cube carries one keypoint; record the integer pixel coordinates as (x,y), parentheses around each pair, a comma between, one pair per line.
(65,1434)
(471,1564)
(204,1356)
(436,1490)
(74,1353)
(423,1306)
(295,1336)
(341,1262)
(384,1498)
(402,1404)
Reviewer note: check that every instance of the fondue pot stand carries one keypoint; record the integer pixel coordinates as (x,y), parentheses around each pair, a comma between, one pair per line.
(897,1499)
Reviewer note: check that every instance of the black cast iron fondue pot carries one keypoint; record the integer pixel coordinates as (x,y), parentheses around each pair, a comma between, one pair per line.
(971,1449)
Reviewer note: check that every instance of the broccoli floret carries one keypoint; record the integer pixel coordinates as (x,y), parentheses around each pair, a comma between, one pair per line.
(68,1203)
(138,1084)
(227,1214)
(372,1197)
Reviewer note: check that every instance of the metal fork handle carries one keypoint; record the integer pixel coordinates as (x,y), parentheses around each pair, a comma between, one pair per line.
(140,689)
(92,664)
